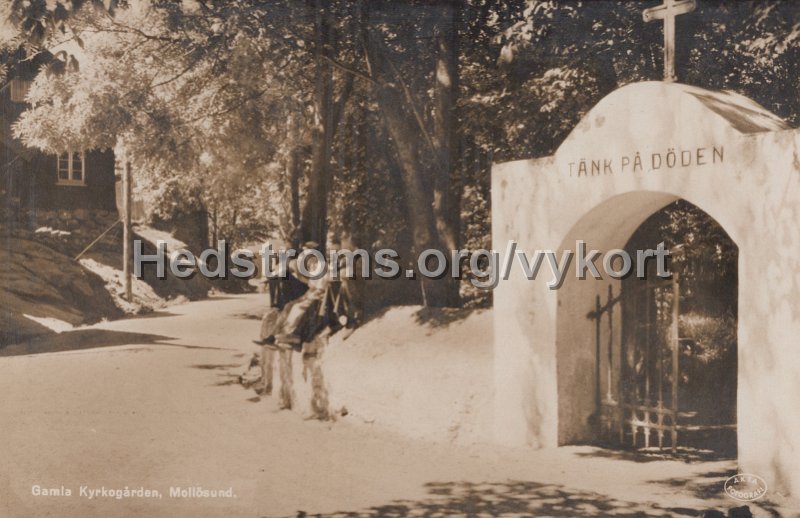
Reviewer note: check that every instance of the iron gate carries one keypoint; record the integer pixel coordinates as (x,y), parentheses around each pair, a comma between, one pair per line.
(638,370)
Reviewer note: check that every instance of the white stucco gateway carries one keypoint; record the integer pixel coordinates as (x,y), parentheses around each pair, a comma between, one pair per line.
(641,148)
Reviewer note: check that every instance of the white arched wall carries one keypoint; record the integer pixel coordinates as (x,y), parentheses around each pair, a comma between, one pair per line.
(753,193)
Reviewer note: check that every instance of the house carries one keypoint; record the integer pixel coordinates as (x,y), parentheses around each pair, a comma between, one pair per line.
(33,183)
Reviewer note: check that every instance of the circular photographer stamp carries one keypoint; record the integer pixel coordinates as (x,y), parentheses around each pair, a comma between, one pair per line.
(745,487)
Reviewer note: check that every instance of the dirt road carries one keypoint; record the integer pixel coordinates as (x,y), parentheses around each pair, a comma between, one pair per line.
(158,407)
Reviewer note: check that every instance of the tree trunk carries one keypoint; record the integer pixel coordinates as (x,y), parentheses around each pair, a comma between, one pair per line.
(315,212)
(293,171)
(426,167)
(446,184)
(214,227)
(415,165)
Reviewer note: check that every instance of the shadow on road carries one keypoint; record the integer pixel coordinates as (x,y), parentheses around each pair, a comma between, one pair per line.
(687,455)
(152,314)
(440,317)
(82,339)
(514,498)
(215,366)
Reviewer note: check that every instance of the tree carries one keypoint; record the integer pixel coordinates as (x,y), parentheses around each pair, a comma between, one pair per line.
(374,120)
(189,104)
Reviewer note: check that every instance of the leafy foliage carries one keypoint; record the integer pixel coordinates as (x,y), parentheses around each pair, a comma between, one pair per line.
(222,97)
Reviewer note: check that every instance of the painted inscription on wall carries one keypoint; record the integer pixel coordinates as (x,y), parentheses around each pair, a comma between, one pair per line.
(645,162)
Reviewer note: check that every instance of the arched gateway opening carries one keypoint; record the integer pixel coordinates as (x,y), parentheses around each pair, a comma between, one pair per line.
(651,363)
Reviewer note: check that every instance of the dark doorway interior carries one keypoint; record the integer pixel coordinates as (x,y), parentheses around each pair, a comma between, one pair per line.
(699,379)
(678,368)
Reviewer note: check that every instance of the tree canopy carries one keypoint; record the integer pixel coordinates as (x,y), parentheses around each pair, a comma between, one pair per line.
(370,122)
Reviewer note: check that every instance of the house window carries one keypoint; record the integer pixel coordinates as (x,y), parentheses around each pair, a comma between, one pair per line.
(20,89)
(71,168)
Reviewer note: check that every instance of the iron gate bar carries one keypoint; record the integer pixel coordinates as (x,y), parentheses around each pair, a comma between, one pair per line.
(609,396)
(676,302)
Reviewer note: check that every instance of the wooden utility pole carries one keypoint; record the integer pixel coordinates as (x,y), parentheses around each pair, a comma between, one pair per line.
(126,232)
